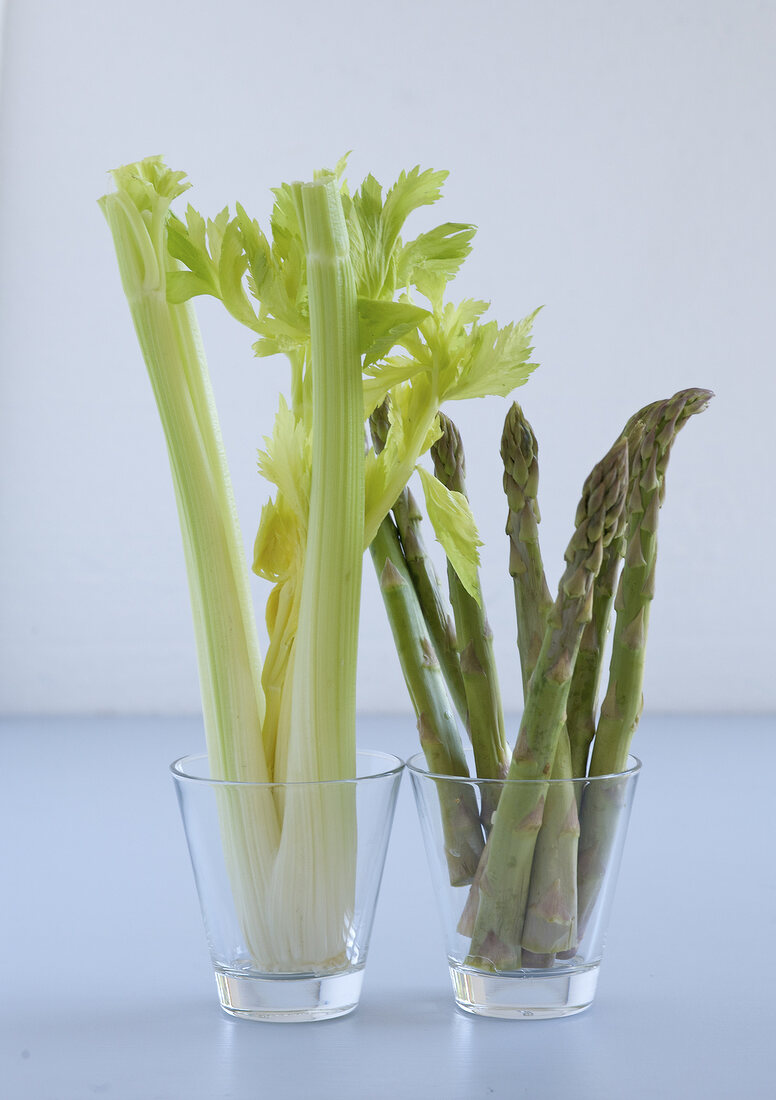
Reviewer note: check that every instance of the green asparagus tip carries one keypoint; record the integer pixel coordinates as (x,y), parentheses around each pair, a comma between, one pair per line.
(520,454)
(379,424)
(600,508)
(448,455)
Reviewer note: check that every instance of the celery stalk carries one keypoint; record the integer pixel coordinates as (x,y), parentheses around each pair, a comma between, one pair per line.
(227,642)
(315,872)
(323,707)
(226,639)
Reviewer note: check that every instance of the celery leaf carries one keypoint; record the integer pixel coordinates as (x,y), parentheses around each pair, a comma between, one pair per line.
(412,190)
(454,526)
(381,378)
(494,360)
(286,460)
(382,324)
(374,227)
(433,258)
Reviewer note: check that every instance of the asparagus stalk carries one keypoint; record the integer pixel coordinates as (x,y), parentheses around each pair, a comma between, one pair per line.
(437,726)
(583,694)
(484,715)
(552,901)
(433,602)
(551,909)
(621,708)
(505,877)
(423,675)
(519,452)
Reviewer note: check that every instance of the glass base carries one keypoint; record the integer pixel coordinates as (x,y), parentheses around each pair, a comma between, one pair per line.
(525,994)
(289,998)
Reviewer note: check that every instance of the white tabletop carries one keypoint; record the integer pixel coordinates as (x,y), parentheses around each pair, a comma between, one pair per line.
(106,988)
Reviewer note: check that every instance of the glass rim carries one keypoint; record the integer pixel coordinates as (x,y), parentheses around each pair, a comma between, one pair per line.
(415,768)
(178,769)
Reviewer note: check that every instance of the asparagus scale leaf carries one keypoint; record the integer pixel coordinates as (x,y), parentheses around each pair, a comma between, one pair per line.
(503,883)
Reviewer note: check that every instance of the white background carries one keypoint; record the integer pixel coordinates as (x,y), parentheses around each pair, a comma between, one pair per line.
(618,159)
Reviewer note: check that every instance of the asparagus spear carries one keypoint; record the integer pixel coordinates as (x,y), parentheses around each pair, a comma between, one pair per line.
(621,708)
(484,715)
(433,602)
(551,909)
(437,726)
(519,452)
(439,735)
(583,694)
(504,879)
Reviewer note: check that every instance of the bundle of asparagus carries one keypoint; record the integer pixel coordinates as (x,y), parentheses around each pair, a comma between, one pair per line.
(534,855)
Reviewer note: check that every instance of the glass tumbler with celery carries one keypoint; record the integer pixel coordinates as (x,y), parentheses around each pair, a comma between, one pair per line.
(360,312)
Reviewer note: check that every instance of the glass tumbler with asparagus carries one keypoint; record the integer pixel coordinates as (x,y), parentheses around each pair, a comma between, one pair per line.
(524,844)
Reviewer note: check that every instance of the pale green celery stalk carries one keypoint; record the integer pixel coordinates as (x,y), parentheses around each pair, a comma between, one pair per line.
(313,885)
(227,645)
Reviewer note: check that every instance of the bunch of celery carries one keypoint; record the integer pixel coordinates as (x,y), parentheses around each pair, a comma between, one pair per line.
(536,865)
(331,287)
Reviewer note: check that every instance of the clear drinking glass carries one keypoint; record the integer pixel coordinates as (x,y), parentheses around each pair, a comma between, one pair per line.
(288,914)
(568,878)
